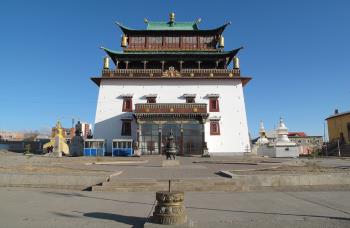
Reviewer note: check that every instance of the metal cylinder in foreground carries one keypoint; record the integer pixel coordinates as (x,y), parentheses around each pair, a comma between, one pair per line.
(169,209)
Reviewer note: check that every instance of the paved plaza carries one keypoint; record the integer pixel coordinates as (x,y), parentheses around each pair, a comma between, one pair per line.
(56,206)
(52,208)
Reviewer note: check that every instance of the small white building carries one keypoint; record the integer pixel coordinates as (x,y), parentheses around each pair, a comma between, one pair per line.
(173,76)
(282,147)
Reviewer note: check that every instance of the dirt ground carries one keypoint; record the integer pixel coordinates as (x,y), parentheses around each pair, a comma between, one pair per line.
(11,162)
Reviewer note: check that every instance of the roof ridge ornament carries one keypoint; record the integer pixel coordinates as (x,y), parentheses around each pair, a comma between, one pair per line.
(171,18)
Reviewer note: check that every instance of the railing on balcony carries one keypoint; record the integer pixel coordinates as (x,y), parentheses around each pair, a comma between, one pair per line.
(158,73)
(185,108)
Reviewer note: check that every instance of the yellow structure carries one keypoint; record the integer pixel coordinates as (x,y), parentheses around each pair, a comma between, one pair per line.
(339,127)
(124,41)
(58,142)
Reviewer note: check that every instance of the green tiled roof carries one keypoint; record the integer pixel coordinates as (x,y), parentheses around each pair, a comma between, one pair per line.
(170,55)
(151,25)
(159,27)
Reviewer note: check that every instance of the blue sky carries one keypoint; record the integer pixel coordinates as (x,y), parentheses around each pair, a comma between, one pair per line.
(296,51)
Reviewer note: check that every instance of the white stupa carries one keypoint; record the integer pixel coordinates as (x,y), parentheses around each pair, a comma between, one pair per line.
(282,135)
(262,139)
(283,147)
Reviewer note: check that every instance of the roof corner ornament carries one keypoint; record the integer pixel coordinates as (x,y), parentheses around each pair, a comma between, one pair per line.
(171,18)
(199,20)
(106,63)
(145,20)
(235,62)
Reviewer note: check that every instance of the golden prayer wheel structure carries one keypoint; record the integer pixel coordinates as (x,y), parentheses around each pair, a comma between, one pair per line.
(221,42)
(236,62)
(106,63)
(170,209)
(124,41)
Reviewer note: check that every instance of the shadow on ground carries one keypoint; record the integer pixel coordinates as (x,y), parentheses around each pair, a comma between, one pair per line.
(129,220)
(98,198)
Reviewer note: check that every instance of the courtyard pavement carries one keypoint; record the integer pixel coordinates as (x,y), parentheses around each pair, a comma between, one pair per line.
(38,208)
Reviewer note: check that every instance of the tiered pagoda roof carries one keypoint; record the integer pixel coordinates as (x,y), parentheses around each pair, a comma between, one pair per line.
(172,50)
(154,27)
(171,55)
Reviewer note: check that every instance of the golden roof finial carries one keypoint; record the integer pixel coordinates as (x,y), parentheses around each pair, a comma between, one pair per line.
(172,17)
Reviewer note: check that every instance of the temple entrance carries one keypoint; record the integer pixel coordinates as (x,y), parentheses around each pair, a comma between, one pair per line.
(188,137)
(176,129)
(192,139)
(186,121)
(149,139)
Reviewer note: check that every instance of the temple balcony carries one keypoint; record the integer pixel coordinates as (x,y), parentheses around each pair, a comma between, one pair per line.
(159,73)
(173,110)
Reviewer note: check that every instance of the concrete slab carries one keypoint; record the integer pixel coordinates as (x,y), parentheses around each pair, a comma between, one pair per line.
(170,163)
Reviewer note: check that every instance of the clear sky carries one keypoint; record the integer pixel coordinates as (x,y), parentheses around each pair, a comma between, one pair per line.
(296,51)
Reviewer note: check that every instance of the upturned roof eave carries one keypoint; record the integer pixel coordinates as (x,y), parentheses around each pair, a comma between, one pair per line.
(114,55)
(127,30)
(97,80)
(170,53)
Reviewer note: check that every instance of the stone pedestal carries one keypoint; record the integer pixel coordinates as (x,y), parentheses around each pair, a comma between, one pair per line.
(169,163)
(169,209)
(137,153)
(280,151)
(76,147)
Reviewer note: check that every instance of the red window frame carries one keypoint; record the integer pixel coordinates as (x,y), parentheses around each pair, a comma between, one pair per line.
(214,128)
(214,105)
(127,105)
(126,128)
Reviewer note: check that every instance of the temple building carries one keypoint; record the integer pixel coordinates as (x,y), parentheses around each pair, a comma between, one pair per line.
(173,77)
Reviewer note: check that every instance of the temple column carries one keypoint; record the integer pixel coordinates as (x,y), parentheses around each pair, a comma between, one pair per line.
(160,139)
(126,64)
(181,62)
(199,64)
(117,64)
(163,63)
(144,65)
(204,143)
(182,139)
(138,132)
(138,137)
(217,64)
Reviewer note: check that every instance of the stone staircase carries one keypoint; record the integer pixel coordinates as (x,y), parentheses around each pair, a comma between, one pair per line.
(344,151)
(238,183)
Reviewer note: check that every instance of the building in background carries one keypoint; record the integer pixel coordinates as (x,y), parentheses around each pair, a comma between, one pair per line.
(86,128)
(339,127)
(173,77)
(11,136)
(306,144)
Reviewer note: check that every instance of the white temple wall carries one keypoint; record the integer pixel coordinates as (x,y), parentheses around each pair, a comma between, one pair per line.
(233,121)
